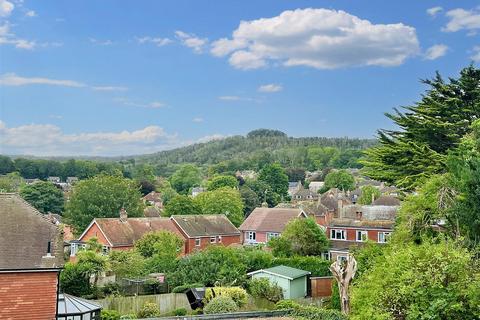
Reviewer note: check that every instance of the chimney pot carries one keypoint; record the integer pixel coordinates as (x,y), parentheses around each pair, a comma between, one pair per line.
(123,215)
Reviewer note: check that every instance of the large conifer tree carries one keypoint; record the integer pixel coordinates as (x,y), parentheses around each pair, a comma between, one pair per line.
(426,131)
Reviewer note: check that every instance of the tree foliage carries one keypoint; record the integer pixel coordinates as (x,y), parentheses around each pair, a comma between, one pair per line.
(427,131)
(181,204)
(44,196)
(225,201)
(102,197)
(369,194)
(11,182)
(185,178)
(340,179)
(221,181)
(274,177)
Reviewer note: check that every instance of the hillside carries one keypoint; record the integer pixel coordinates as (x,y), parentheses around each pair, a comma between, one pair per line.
(246,152)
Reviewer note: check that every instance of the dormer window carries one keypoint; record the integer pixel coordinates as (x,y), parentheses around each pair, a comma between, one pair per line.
(337,234)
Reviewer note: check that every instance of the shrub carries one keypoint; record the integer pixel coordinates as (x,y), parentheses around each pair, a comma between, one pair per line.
(335,298)
(262,288)
(182,288)
(180,312)
(149,309)
(220,305)
(286,305)
(110,315)
(238,295)
(112,288)
(319,267)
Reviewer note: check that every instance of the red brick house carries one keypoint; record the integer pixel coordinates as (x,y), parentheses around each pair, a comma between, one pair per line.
(31,257)
(201,231)
(266,223)
(121,233)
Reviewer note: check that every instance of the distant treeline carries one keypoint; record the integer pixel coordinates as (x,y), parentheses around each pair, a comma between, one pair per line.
(42,169)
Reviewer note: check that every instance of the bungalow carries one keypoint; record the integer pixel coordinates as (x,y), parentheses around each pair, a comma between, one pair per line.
(121,233)
(201,231)
(266,223)
(31,257)
(153,199)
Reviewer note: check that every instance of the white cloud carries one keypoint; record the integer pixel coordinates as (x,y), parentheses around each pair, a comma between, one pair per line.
(109,88)
(48,139)
(150,105)
(101,42)
(436,51)
(159,42)
(197,119)
(192,41)
(476,54)
(272,87)
(319,38)
(31,13)
(461,19)
(11,79)
(6,8)
(229,98)
(7,37)
(434,11)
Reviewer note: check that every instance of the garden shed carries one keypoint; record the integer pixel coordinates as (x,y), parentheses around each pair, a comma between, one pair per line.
(292,281)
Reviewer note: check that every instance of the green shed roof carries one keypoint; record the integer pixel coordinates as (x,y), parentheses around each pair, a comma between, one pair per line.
(283,271)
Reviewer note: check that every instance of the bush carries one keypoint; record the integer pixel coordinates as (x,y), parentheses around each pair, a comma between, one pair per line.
(149,309)
(110,315)
(262,288)
(238,295)
(286,305)
(180,312)
(183,288)
(315,313)
(319,267)
(335,298)
(220,305)
(112,288)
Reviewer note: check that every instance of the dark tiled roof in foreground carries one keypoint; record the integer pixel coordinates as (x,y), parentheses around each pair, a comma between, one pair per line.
(205,225)
(24,235)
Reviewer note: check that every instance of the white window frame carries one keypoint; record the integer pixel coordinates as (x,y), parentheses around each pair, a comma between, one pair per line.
(213,239)
(198,242)
(105,250)
(334,233)
(219,239)
(363,235)
(383,237)
(251,236)
(271,235)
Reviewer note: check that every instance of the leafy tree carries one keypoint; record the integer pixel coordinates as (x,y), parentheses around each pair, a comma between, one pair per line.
(146,187)
(144,172)
(321,157)
(102,197)
(340,179)
(185,178)
(181,204)
(6,165)
(11,182)
(426,281)
(369,193)
(263,192)
(281,247)
(274,176)
(250,200)
(93,263)
(168,194)
(127,263)
(161,248)
(74,280)
(295,174)
(428,130)
(260,133)
(304,237)
(221,181)
(225,201)
(44,196)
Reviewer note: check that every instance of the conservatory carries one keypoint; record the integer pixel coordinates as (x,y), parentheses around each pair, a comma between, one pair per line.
(74,308)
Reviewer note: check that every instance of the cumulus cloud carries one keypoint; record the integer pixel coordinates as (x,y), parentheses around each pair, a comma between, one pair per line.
(101,42)
(48,139)
(436,51)
(272,87)
(31,13)
(461,19)
(197,119)
(434,11)
(6,8)
(191,41)
(476,54)
(159,42)
(318,38)
(11,79)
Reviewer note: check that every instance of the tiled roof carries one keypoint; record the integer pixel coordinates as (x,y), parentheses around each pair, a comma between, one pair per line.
(345,222)
(151,212)
(283,271)
(24,235)
(269,219)
(126,233)
(386,201)
(153,196)
(205,225)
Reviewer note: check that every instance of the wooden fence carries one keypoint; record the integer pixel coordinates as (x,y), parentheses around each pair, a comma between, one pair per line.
(131,305)
(321,287)
(233,315)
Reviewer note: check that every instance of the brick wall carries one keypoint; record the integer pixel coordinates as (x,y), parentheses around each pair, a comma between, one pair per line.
(205,242)
(28,295)
(94,231)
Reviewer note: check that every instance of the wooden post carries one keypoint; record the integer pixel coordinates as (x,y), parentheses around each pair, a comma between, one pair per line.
(344,271)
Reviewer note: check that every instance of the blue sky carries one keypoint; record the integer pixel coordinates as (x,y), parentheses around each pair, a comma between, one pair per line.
(128,77)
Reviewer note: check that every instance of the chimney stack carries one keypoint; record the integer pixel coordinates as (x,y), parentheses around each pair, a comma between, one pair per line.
(340,208)
(48,260)
(123,215)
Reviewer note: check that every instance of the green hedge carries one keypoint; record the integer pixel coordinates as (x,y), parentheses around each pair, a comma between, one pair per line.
(319,267)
